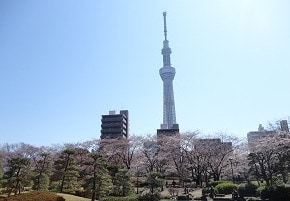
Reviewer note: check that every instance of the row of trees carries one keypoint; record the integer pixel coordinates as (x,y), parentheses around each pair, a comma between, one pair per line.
(70,169)
(100,168)
(269,158)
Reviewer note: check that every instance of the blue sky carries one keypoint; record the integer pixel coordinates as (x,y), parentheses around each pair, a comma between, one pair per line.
(65,63)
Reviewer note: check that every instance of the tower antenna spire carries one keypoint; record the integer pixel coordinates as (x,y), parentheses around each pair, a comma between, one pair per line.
(167,73)
(165,28)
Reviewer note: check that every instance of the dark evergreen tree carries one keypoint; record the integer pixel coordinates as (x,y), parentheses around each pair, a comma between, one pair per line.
(113,170)
(103,181)
(154,182)
(123,185)
(41,172)
(66,172)
(98,180)
(18,175)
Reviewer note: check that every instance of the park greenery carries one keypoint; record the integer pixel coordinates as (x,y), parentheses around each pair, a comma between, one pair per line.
(140,168)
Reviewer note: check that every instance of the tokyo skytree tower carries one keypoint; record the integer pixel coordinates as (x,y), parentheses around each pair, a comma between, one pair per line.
(167,73)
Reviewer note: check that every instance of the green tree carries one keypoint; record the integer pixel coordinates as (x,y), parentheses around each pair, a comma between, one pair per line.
(66,172)
(123,185)
(113,170)
(98,181)
(41,172)
(102,180)
(154,182)
(18,174)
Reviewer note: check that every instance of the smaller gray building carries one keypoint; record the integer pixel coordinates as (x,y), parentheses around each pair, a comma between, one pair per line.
(115,126)
(262,132)
(255,135)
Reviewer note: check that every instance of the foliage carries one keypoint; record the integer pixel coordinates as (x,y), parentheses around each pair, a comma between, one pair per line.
(275,193)
(154,182)
(41,172)
(127,198)
(205,191)
(121,151)
(18,174)
(259,190)
(277,181)
(266,192)
(143,184)
(147,197)
(269,157)
(98,181)
(113,169)
(253,199)
(72,168)
(226,188)
(122,186)
(215,183)
(1,170)
(35,196)
(66,172)
(248,190)
(103,182)
(40,182)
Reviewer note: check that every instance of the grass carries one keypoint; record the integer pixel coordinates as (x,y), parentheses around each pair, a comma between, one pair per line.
(68,197)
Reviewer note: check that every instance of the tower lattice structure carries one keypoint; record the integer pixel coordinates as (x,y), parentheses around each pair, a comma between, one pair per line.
(167,73)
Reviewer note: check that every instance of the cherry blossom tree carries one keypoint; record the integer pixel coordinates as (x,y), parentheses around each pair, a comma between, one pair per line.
(267,154)
(121,151)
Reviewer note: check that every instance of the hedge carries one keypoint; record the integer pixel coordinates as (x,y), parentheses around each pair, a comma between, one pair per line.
(276,193)
(128,198)
(148,196)
(249,190)
(226,188)
(215,183)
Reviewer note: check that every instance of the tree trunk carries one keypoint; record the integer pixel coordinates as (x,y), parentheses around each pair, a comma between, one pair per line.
(94,184)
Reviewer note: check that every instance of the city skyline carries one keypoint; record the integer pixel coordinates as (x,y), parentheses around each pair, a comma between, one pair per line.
(63,64)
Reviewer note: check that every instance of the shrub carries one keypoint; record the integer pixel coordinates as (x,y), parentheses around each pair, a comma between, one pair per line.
(36,196)
(128,198)
(146,197)
(259,190)
(253,199)
(266,192)
(276,193)
(277,181)
(81,193)
(205,191)
(215,183)
(247,190)
(226,188)
(143,184)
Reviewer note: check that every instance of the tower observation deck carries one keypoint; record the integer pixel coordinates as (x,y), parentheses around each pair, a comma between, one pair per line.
(167,73)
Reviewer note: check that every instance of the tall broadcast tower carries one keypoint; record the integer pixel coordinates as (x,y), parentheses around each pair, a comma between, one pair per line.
(167,73)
